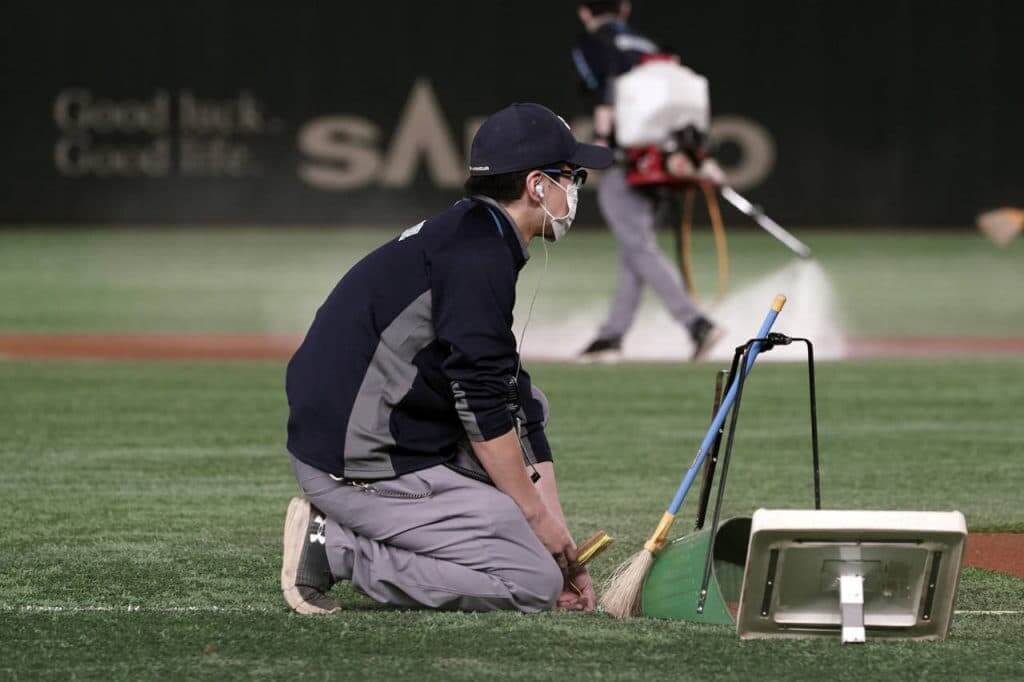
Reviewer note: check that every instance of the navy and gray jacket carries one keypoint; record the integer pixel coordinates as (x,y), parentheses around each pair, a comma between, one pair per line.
(412,354)
(602,56)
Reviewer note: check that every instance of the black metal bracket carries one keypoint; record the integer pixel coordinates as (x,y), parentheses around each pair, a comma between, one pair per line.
(740,359)
(712,459)
(933,579)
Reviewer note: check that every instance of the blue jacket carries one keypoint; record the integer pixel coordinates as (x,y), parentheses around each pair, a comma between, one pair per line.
(412,355)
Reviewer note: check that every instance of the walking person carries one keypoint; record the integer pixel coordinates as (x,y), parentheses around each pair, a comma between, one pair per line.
(609,48)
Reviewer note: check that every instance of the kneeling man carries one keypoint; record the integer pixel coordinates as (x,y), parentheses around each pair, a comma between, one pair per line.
(416,437)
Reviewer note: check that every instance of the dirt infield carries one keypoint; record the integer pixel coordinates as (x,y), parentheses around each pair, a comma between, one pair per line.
(1003,552)
(149,346)
(281,346)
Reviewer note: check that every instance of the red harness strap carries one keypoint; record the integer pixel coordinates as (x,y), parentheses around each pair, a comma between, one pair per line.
(647,167)
(647,164)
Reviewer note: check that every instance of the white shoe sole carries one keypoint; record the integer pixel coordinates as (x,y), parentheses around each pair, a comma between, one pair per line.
(296,523)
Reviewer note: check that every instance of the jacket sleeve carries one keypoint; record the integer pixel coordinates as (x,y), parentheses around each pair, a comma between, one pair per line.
(473,293)
(594,64)
(533,417)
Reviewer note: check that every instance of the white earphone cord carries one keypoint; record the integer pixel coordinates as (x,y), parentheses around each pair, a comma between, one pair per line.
(529,313)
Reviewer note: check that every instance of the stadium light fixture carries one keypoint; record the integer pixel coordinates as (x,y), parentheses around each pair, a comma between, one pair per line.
(852,574)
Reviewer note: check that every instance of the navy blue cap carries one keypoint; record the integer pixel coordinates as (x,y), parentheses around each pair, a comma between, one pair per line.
(527,136)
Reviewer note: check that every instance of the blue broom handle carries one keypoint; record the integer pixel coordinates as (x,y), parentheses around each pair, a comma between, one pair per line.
(723,409)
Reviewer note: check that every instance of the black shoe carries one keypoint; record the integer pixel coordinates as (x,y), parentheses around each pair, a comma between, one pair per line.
(602,350)
(704,335)
(305,574)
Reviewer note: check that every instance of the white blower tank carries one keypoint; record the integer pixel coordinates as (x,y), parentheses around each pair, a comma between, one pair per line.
(657,98)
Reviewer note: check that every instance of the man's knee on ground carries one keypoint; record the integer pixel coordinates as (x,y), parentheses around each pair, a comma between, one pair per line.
(536,588)
(553,582)
(526,568)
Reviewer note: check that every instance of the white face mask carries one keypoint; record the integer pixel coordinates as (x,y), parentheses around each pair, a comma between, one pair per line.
(561,225)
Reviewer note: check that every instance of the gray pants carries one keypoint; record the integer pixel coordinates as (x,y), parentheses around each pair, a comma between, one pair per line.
(630,215)
(433,538)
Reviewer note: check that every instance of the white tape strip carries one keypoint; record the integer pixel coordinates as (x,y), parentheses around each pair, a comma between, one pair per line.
(135,608)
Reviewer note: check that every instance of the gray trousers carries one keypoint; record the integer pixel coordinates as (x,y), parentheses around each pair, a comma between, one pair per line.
(630,215)
(433,538)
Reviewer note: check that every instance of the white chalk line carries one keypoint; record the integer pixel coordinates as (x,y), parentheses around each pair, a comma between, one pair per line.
(135,608)
(138,608)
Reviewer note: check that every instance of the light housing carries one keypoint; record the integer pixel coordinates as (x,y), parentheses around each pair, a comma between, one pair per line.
(880,574)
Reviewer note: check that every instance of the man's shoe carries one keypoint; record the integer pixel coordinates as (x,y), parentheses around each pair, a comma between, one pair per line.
(705,335)
(602,350)
(305,573)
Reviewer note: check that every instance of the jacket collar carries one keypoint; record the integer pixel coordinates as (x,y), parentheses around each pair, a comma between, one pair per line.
(508,229)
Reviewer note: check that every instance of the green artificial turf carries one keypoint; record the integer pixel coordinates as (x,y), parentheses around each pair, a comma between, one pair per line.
(162,487)
(272,280)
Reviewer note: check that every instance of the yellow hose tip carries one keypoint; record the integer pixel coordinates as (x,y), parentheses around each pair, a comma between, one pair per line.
(780,300)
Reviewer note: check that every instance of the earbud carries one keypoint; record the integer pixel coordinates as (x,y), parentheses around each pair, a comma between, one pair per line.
(539,189)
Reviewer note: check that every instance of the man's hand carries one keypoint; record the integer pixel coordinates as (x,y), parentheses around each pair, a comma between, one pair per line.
(555,537)
(679,165)
(578,593)
(502,458)
(604,117)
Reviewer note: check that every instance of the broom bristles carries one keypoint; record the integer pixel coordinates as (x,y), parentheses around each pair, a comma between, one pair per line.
(621,593)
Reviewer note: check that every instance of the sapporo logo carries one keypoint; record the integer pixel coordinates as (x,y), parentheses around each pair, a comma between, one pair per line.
(347,152)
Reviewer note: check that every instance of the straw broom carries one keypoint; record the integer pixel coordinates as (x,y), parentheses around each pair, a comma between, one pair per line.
(621,593)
